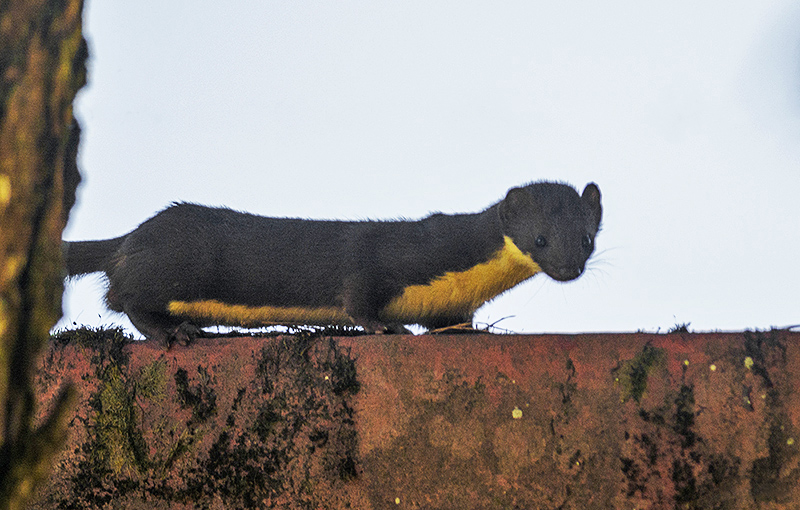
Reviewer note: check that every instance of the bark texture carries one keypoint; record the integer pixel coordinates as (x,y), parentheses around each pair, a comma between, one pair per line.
(42,67)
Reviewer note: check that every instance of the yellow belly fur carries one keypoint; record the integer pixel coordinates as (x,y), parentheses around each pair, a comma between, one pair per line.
(453,294)
(217,312)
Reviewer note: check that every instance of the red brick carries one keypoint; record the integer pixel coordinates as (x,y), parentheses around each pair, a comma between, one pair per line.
(437,422)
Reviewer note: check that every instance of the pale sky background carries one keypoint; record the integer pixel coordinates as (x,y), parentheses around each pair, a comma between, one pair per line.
(686,114)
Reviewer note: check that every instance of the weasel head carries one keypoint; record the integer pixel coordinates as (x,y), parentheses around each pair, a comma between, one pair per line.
(554,225)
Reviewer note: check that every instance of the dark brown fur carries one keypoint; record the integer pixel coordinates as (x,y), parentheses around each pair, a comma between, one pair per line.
(190,252)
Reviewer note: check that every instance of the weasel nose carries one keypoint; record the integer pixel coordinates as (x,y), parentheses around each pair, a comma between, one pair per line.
(566,273)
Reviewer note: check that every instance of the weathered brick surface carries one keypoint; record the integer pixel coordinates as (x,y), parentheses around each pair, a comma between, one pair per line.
(617,421)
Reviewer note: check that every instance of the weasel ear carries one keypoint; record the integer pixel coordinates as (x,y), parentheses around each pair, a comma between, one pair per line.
(591,197)
(515,203)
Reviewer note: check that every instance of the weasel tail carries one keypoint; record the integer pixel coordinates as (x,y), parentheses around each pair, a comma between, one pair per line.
(84,257)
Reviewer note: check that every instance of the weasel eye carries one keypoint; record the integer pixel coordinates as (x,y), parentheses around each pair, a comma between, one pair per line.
(586,242)
(540,241)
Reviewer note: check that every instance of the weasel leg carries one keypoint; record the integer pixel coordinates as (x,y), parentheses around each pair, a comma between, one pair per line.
(186,333)
(379,328)
(396,329)
(161,328)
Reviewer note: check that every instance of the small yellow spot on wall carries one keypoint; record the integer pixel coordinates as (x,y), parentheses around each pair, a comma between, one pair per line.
(686,362)
(790,441)
(396,501)
(748,363)
(713,368)
(516,413)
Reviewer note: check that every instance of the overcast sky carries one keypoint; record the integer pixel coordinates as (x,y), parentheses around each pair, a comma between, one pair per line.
(686,114)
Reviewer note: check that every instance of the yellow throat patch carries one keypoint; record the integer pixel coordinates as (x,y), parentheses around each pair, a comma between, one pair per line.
(452,294)
(461,293)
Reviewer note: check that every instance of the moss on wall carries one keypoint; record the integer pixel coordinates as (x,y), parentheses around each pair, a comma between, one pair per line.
(435,422)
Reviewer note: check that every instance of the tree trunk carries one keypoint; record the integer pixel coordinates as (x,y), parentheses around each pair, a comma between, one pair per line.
(42,67)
